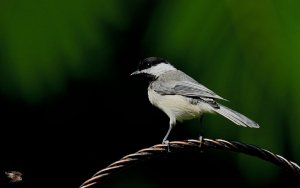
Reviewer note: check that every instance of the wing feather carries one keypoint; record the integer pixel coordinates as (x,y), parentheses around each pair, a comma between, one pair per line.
(185,88)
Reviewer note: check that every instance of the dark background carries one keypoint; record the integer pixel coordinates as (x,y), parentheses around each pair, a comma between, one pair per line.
(69,107)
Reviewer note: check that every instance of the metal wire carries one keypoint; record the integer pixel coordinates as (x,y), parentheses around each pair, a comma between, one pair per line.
(176,146)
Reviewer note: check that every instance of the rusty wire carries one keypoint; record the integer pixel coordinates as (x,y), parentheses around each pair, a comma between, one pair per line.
(176,146)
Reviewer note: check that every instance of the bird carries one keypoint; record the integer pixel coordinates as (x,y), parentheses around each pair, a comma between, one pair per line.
(181,97)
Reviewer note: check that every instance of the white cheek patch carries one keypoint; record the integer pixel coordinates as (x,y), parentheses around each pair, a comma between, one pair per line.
(159,69)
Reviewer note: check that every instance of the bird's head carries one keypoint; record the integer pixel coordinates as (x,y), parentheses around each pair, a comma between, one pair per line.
(153,67)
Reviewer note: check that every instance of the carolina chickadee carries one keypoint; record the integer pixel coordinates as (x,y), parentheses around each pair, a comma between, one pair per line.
(181,97)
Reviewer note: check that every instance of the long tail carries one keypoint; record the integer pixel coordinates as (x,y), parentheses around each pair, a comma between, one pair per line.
(236,117)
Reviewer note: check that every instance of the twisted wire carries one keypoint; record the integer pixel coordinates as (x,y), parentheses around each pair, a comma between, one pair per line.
(176,146)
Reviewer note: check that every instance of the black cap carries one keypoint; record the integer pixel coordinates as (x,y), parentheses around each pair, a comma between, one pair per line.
(150,61)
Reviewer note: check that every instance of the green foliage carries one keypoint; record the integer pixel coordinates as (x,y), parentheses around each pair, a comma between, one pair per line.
(43,42)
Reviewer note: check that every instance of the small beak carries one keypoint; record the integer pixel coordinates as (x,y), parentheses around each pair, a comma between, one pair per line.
(135,73)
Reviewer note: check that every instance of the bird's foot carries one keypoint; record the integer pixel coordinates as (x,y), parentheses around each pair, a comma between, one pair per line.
(167,142)
(201,140)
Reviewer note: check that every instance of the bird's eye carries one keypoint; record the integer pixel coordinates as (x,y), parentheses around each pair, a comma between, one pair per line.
(148,65)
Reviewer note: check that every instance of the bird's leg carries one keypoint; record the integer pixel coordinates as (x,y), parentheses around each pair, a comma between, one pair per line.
(200,136)
(201,122)
(165,140)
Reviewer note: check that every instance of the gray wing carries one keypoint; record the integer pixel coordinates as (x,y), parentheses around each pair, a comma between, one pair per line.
(178,83)
(190,89)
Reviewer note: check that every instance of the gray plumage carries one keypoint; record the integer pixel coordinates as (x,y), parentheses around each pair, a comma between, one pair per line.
(176,82)
(181,97)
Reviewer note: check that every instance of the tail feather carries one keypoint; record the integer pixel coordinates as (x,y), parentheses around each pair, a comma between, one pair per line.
(236,117)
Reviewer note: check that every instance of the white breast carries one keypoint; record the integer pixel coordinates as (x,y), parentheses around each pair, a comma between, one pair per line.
(176,106)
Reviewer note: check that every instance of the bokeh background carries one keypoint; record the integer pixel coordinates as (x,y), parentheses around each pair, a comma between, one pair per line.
(69,107)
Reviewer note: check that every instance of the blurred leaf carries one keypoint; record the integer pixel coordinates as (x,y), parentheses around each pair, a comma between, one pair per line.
(44,43)
(289,16)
